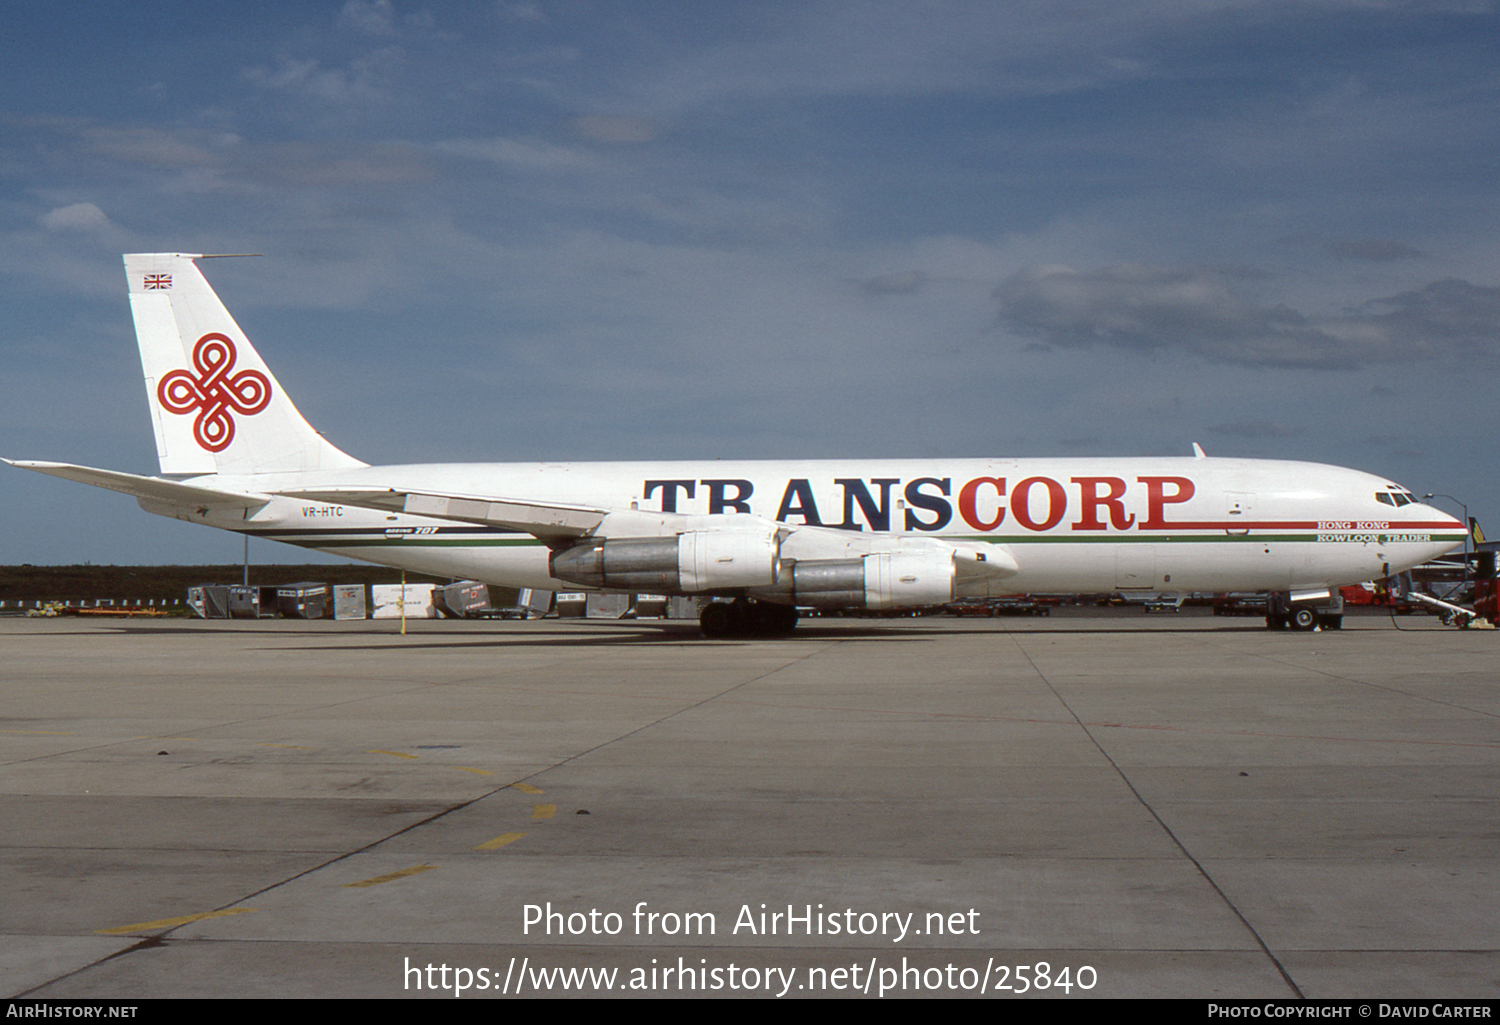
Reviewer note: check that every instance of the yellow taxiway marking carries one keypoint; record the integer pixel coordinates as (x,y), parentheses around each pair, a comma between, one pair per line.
(499,841)
(393,754)
(482,772)
(527,788)
(544,811)
(392,876)
(168,923)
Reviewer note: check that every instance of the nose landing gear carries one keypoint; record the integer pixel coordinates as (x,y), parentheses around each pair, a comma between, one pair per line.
(1324,612)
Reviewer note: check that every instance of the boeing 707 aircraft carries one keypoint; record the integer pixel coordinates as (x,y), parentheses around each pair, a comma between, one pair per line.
(769,536)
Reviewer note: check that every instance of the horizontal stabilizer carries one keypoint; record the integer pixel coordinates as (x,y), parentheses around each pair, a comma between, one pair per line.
(154,488)
(549,520)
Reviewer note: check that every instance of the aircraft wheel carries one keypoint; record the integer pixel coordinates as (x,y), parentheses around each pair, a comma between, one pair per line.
(781,619)
(765,619)
(742,618)
(1304,619)
(716,620)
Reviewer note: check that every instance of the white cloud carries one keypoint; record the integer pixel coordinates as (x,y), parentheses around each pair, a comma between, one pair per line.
(372,17)
(508,11)
(366,78)
(618,128)
(149,146)
(75,217)
(520,154)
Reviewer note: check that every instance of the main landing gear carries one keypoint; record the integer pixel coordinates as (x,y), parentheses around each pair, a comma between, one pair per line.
(742,618)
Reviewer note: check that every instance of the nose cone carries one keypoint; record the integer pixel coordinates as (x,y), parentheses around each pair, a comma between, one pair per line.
(1446,531)
(1437,519)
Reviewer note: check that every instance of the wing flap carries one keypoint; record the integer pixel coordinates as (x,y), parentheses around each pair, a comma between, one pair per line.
(541,519)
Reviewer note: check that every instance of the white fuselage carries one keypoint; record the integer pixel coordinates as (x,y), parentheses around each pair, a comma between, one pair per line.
(1070,525)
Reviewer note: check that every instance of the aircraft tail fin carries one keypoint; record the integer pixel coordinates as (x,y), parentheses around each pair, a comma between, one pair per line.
(215,406)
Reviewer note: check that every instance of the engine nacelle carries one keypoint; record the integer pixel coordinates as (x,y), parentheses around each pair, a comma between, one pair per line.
(880,580)
(692,562)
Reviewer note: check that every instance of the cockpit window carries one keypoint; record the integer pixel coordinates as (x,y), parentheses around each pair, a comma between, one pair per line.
(1395,498)
(1384,498)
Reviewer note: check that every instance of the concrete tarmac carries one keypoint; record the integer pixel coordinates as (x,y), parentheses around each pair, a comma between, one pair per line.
(1158,806)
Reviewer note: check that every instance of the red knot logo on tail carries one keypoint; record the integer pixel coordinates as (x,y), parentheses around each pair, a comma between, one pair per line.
(214,392)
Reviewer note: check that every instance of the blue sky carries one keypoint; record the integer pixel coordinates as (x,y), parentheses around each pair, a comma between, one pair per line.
(605,229)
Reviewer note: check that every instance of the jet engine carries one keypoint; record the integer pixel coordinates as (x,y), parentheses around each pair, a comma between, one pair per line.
(692,562)
(880,580)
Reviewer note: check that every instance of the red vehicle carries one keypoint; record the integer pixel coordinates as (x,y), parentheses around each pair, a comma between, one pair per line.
(1378,594)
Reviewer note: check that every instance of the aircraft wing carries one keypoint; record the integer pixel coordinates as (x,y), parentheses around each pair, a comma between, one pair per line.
(542,519)
(560,522)
(154,488)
